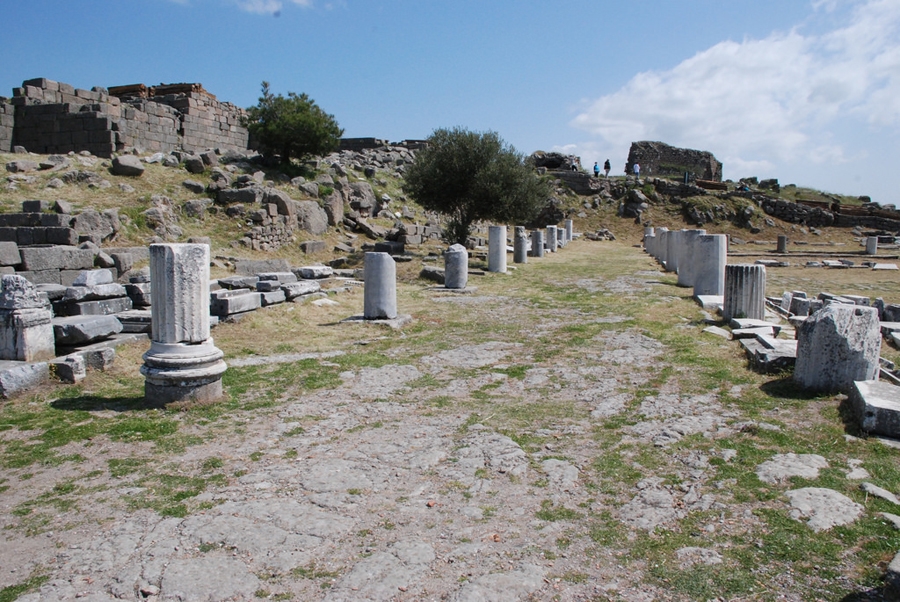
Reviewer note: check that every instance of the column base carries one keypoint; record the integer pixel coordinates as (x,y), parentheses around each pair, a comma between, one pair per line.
(182,372)
(158,396)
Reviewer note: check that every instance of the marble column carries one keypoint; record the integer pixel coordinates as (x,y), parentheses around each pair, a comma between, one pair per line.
(872,245)
(552,239)
(380,289)
(710,258)
(183,363)
(662,237)
(456,267)
(686,258)
(745,292)
(570,230)
(520,245)
(648,232)
(497,249)
(561,237)
(537,243)
(782,244)
(673,250)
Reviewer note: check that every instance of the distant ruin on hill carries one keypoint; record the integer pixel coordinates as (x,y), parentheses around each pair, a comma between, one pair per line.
(660,159)
(49,117)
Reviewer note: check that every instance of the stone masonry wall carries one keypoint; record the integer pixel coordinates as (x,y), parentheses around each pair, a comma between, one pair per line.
(7,121)
(659,159)
(50,117)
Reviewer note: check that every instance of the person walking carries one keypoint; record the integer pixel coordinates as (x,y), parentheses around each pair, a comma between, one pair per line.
(596,170)
(637,170)
(606,167)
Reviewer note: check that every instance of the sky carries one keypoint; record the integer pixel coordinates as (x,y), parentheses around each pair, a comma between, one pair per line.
(806,91)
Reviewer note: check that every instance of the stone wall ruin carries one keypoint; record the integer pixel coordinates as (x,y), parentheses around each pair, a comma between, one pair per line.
(660,159)
(49,117)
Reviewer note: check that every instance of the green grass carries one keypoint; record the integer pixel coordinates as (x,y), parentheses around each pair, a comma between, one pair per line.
(12,592)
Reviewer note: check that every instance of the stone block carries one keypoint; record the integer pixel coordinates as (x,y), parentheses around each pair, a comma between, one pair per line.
(80,330)
(272,297)
(292,290)
(139,293)
(18,377)
(233,302)
(91,293)
(60,236)
(876,406)
(281,277)
(94,277)
(836,346)
(313,246)
(60,258)
(70,368)
(35,206)
(313,272)
(101,307)
(9,253)
(248,267)
(135,320)
(26,335)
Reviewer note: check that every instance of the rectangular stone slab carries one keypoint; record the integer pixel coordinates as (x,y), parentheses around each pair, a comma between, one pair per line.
(876,405)
(226,306)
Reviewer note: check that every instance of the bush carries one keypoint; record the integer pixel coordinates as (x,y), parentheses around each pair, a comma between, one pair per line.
(291,127)
(472,176)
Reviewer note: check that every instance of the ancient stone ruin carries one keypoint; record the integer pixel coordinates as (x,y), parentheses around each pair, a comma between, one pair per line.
(48,117)
(660,159)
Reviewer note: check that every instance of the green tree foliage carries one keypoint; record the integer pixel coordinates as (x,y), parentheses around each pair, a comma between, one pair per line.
(471,176)
(292,127)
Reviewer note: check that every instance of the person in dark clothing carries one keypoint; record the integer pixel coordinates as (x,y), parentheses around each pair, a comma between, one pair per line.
(606,167)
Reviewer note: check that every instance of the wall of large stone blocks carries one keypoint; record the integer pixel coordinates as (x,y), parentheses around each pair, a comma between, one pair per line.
(50,117)
(7,121)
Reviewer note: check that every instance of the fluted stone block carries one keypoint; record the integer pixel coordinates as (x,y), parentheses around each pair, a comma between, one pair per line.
(836,346)
(570,230)
(552,239)
(710,258)
(537,243)
(183,363)
(380,290)
(497,249)
(456,267)
(686,259)
(520,245)
(180,293)
(745,292)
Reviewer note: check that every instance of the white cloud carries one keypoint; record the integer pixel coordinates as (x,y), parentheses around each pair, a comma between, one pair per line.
(759,102)
(260,7)
(269,7)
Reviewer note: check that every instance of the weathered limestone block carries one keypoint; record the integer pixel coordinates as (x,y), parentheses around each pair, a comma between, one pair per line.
(80,330)
(228,302)
(836,346)
(25,330)
(497,249)
(876,406)
(21,377)
(745,292)
(292,290)
(380,291)
(456,267)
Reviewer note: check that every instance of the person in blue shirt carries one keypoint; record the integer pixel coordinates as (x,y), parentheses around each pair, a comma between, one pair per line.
(596,170)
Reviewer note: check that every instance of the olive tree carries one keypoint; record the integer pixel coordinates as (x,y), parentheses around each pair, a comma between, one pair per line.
(292,126)
(470,176)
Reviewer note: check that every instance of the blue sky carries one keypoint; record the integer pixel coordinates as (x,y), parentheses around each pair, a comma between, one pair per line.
(807,91)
